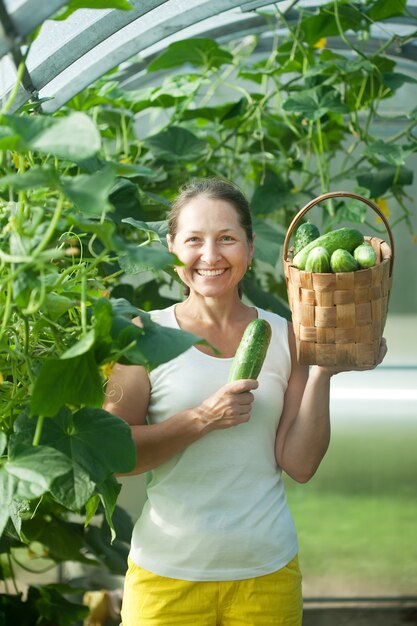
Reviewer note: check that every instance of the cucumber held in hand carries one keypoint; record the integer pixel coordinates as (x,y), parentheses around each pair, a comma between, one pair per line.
(318,260)
(251,351)
(305,234)
(346,238)
(343,261)
(365,255)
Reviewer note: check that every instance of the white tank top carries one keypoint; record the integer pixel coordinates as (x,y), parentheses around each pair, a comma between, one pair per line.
(217,510)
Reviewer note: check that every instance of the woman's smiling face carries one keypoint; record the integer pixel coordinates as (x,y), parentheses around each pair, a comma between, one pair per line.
(213,246)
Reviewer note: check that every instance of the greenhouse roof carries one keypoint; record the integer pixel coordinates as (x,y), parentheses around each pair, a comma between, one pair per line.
(69,55)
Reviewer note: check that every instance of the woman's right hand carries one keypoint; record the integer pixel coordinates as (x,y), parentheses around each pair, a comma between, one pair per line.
(229,406)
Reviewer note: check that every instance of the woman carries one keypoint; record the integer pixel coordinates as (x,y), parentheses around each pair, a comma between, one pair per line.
(216,544)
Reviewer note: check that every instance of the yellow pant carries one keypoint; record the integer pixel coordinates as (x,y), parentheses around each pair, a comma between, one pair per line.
(271,600)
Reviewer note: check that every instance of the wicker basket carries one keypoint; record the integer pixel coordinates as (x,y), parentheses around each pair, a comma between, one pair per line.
(339,318)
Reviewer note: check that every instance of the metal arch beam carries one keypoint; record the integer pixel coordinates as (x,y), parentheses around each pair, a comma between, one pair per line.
(91,52)
(26,17)
(127,42)
(80,33)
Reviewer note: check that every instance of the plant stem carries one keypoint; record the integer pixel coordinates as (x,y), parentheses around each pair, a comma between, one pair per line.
(15,90)
(38,431)
(52,226)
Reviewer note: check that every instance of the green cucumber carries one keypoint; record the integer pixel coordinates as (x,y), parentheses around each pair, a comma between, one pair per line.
(365,255)
(318,260)
(346,238)
(343,261)
(251,351)
(305,234)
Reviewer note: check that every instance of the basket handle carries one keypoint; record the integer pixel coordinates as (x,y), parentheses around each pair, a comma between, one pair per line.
(337,194)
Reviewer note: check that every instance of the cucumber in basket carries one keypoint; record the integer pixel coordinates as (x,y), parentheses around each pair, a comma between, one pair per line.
(251,351)
(346,238)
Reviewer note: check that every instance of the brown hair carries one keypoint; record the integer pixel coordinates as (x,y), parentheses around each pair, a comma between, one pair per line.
(217,189)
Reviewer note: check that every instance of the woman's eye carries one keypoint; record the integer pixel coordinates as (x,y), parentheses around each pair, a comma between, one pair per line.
(192,240)
(227,238)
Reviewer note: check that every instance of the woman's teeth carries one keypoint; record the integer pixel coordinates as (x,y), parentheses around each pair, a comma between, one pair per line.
(210,272)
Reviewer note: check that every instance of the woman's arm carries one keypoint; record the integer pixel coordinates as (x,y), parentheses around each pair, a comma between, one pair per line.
(128,394)
(304,431)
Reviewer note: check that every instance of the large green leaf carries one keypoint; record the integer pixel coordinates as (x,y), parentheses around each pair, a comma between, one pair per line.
(383,9)
(315,103)
(73,381)
(153,344)
(8,485)
(394,154)
(268,242)
(73,489)
(64,540)
(273,193)
(198,51)
(395,80)
(74,137)
(324,23)
(157,230)
(385,176)
(90,194)
(108,492)
(36,468)
(135,259)
(3,442)
(93,439)
(55,608)
(126,200)
(176,144)
(33,178)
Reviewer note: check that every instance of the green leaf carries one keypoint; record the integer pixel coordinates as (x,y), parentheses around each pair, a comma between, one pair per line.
(314,104)
(74,137)
(100,443)
(56,305)
(383,9)
(125,199)
(391,153)
(80,347)
(199,52)
(73,381)
(64,540)
(395,80)
(73,489)
(32,179)
(91,508)
(158,229)
(56,609)
(268,242)
(3,442)
(8,485)
(156,345)
(90,194)
(135,259)
(324,24)
(134,170)
(75,5)
(176,144)
(385,177)
(108,492)
(103,316)
(36,468)
(272,194)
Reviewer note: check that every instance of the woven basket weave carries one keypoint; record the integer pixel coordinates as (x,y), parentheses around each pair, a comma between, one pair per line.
(339,318)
